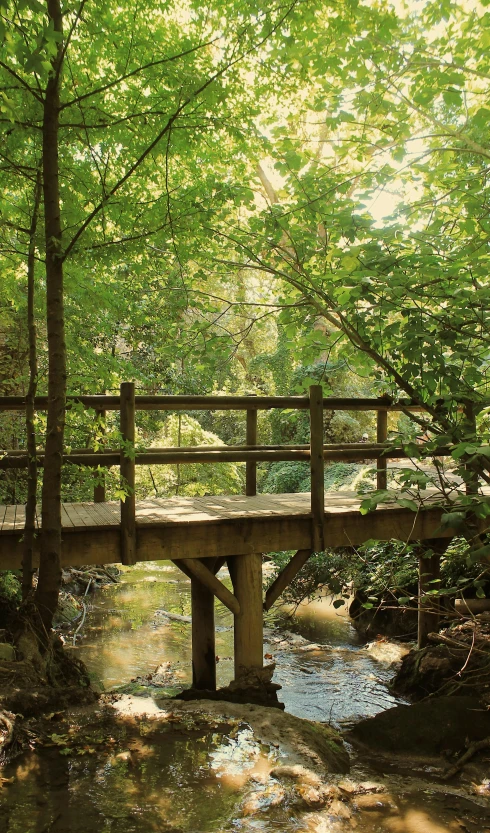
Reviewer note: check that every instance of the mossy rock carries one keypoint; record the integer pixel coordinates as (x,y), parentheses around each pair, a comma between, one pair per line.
(314,745)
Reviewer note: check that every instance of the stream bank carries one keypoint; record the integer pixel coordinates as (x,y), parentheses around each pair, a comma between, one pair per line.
(139,761)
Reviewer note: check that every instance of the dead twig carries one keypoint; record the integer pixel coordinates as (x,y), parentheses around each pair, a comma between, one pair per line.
(470,752)
(81,623)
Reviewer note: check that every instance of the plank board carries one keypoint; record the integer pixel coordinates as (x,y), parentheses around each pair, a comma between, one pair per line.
(218,526)
(185,510)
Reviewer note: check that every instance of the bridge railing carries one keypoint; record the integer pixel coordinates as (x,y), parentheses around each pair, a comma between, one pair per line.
(316,451)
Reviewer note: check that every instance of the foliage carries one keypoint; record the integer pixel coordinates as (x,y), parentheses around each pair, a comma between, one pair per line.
(188,479)
(222,169)
(295,477)
(10,588)
(382,570)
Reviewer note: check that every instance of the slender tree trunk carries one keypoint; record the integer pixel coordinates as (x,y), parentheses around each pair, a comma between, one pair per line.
(30,522)
(46,597)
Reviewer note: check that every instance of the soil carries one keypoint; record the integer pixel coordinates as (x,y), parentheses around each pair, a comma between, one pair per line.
(385,618)
(456,662)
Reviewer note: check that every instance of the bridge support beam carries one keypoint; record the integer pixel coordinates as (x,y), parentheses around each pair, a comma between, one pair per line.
(203,637)
(202,611)
(285,577)
(246,575)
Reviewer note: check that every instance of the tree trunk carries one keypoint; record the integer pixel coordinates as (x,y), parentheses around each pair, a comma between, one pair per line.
(46,597)
(30,522)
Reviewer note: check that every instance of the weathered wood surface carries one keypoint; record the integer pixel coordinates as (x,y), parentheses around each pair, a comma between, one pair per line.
(206,577)
(214,403)
(249,454)
(128,472)
(381,436)
(317,468)
(207,527)
(285,577)
(246,575)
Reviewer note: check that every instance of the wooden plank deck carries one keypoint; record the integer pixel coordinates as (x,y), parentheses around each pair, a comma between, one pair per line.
(203,527)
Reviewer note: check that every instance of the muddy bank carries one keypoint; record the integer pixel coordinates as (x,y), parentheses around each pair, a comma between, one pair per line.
(33,677)
(456,663)
(387,618)
(436,729)
(138,764)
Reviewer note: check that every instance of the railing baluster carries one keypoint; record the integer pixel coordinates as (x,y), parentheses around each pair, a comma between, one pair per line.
(381,437)
(127,468)
(317,466)
(99,488)
(251,467)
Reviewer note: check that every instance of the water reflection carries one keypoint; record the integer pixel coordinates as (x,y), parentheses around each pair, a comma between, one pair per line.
(326,676)
(126,635)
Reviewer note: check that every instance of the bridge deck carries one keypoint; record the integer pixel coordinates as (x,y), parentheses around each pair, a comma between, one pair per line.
(202,527)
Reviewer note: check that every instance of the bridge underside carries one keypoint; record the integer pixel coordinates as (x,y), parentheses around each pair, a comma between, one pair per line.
(217,527)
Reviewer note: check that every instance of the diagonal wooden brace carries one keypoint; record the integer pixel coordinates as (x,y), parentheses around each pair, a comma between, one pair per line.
(285,577)
(199,571)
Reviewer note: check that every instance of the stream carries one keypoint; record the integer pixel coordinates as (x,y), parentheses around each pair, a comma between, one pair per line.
(325,671)
(99,774)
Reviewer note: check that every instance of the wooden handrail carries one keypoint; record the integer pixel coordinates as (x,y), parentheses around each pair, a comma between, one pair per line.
(216,403)
(251,469)
(316,452)
(381,437)
(222,454)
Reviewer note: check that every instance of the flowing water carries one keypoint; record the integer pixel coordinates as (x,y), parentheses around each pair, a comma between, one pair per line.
(325,670)
(98,773)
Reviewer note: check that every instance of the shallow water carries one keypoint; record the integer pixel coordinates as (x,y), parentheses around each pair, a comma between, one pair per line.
(127,636)
(93,773)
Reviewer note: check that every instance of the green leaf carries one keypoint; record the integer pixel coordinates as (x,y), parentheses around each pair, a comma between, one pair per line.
(453,520)
(405,503)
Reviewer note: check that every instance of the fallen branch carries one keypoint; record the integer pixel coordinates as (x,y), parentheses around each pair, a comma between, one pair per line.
(81,623)
(470,752)
(454,643)
(175,616)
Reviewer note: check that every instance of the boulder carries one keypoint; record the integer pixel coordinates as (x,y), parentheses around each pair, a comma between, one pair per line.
(295,741)
(429,729)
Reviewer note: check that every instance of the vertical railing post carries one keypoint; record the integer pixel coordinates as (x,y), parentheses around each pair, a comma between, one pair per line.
(127,468)
(99,487)
(317,467)
(381,437)
(251,468)
(472,482)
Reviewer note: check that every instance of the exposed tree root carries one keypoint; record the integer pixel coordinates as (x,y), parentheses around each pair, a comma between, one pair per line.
(7,733)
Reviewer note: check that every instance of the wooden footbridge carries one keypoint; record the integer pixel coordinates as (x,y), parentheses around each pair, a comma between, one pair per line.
(201,534)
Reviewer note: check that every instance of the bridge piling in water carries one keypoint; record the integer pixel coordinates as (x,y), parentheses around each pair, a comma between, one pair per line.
(246,576)
(203,635)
